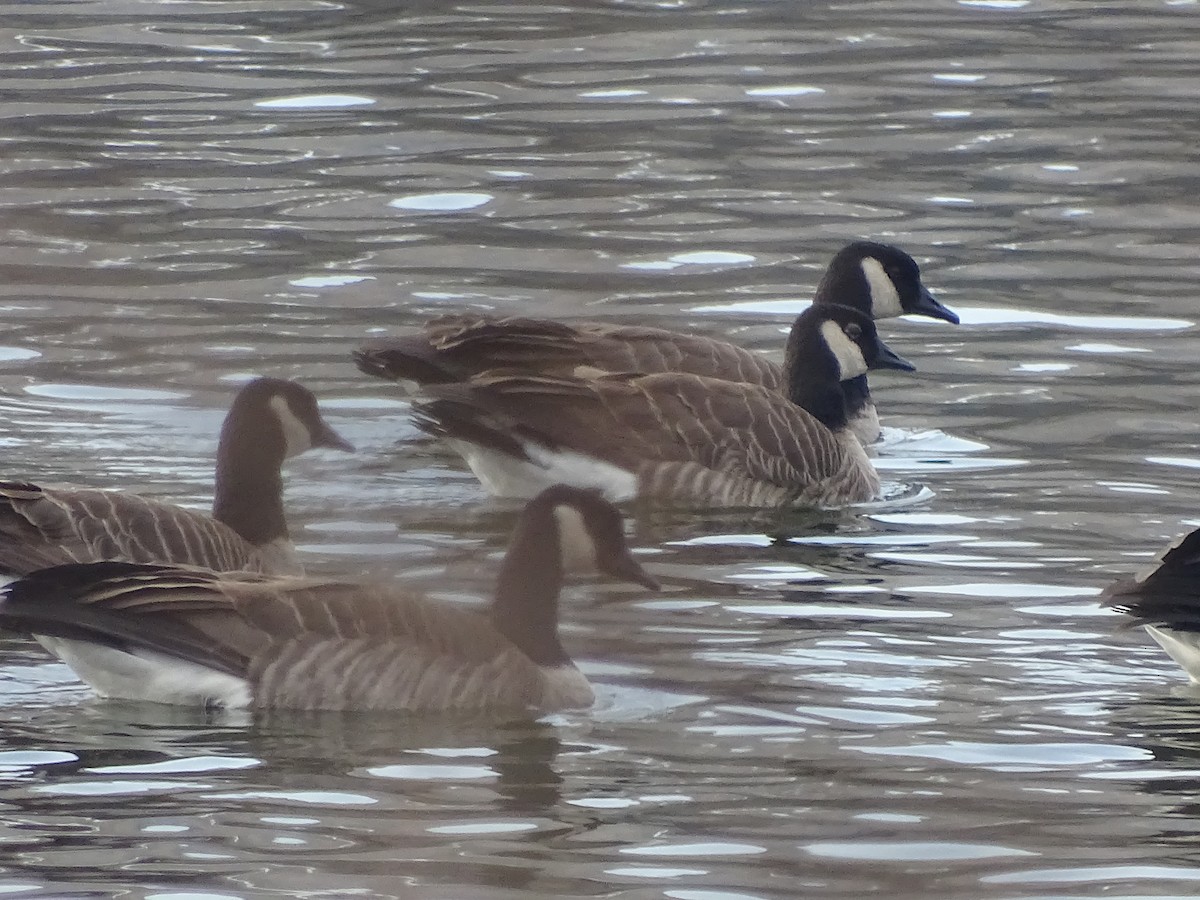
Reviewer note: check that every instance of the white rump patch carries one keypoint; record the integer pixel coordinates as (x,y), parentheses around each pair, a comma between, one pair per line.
(1181,646)
(506,476)
(575,539)
(149,676)
(296,436)
(885,299)
(849,357)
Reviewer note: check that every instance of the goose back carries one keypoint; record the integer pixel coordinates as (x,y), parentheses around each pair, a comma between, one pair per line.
(458,347)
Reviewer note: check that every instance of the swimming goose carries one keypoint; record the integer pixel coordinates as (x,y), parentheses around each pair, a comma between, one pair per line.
(1166,600)
(191,636)
(878,280)
(676,437)
(270,420)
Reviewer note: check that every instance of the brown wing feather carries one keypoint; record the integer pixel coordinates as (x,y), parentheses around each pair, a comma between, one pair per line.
(458,347)
(42,527)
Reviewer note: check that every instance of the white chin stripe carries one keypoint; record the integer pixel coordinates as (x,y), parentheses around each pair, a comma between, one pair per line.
(296,437)
(575,541)
(885,299)
(849,358)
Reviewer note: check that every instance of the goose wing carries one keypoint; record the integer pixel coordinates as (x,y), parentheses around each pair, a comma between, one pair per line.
(42,527)
(458,347)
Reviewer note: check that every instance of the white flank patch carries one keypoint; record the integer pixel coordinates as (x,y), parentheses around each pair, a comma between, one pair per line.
(849,357)
(296,436)
(885,299)
(575,540)
(1181,646)
(566,688)
(149,676)
(505,476)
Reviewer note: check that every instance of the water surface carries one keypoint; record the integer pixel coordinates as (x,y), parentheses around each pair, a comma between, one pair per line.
(921,698)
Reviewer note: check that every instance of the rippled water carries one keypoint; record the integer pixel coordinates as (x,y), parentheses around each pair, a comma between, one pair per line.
(921,698)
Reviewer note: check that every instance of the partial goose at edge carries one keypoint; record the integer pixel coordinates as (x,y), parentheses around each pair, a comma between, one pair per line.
(1165,599)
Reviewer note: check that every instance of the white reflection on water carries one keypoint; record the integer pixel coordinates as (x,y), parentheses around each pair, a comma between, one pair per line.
(692,258)
(700,848)
(449,202)
(927,851)
(974,315)
(1027,757)
(182,764)
(315,101)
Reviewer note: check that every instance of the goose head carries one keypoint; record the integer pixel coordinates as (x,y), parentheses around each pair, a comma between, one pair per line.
(278,418)
(561,529)
(829,345)
(270,420)
(586,531)
(881,281)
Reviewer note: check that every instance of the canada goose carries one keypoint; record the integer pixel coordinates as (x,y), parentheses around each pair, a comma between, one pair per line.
(270,420)
(191,636)
(676,437)
(878,280)
(1166,600)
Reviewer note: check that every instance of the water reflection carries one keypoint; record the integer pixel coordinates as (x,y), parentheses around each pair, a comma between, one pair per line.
(917,698)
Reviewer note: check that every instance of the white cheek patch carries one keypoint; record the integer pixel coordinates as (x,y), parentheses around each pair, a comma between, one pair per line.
(885,299)
(296,437)
(849,357)
(577,547)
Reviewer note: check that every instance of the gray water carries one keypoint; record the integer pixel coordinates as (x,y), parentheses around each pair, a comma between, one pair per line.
(922,699)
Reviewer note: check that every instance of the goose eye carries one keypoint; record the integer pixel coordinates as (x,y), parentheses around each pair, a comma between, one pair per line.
(853,331)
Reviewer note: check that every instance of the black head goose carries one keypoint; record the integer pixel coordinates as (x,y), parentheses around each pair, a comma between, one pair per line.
(676,437)
(270,420)
(192,636)
(878,280)
(1166,600)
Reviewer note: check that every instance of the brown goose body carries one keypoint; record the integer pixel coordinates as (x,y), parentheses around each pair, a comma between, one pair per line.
(270,420)
(177,635)
(675,437)
(876,279)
